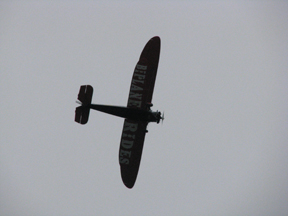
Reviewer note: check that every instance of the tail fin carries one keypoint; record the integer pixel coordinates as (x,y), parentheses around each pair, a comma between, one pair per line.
(85,97)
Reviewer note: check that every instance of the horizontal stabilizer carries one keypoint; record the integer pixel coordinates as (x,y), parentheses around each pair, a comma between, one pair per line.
(85,97)
(82,114)
(85,94)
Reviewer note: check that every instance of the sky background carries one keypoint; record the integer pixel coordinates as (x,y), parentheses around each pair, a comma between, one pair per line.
(222,82)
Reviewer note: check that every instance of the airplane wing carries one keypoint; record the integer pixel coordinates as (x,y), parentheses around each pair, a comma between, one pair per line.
(143,80)
(140,95)
(130,151)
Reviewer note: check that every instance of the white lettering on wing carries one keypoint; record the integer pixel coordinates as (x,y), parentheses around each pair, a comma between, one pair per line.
(127,142)
(133,103)
(135,95)
(136,90)
(130,126)
(141,67)
(134,100)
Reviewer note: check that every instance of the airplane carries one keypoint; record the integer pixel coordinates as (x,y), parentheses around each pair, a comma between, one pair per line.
(137,113)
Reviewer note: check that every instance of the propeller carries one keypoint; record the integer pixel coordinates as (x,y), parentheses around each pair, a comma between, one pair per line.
(162,118)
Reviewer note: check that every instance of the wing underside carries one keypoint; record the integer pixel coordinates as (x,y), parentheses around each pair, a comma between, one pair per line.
(140,95)
(130,151)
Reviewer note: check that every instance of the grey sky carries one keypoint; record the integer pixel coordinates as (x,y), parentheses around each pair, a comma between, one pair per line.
(222,82)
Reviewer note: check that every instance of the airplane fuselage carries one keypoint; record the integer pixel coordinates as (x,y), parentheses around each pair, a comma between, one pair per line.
(128,113)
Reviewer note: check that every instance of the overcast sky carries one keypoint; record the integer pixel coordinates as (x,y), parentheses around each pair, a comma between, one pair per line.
(222,82)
